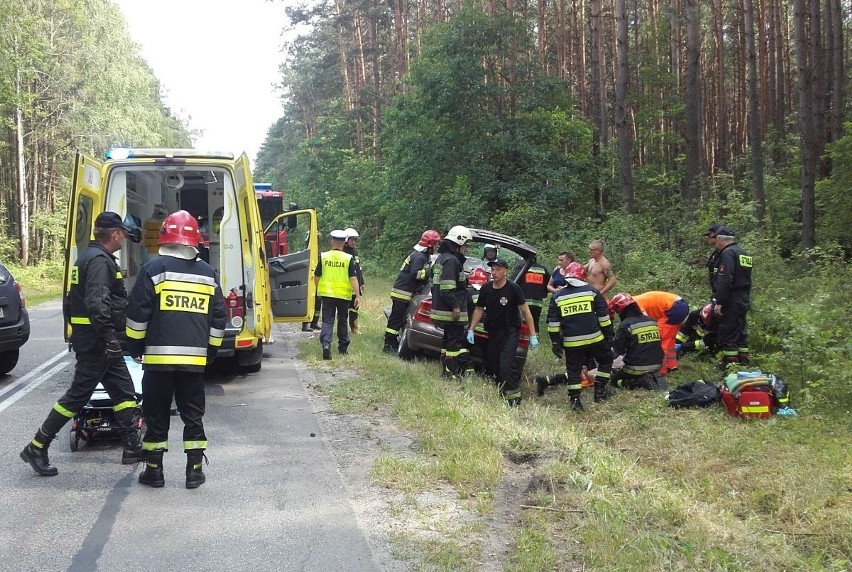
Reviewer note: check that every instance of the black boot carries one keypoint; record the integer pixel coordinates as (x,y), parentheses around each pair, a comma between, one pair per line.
(306,327)
(541,383)
(35,453)
(576,404)
(194,475)
(153,473)
(132,452)
(326,352)
(602,390)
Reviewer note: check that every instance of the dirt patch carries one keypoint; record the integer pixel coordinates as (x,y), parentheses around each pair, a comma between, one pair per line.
(397,523)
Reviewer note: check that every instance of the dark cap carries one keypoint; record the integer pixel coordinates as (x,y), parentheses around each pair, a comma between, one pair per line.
(109,219)
(711,231)
(499,262)
(724,231)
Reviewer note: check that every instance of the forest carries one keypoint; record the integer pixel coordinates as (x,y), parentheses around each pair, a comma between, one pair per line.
(561,121)
(70,78)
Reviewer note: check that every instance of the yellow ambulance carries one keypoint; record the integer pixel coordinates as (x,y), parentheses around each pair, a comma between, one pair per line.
(149,184)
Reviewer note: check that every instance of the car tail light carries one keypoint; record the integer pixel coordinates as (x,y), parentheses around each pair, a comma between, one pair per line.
(424,311)
(21,295)
(235,308)
(524,337)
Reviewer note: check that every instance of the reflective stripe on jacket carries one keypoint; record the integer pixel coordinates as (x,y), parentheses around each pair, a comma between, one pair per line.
(578,315)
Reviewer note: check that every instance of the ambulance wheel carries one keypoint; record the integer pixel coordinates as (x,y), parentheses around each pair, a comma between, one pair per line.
(250,361)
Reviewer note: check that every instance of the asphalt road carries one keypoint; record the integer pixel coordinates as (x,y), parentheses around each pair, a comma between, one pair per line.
(274,498)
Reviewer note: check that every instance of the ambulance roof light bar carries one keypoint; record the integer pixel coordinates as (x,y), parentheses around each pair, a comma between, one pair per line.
(121,153)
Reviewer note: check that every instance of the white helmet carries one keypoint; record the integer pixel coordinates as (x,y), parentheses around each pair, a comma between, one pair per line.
(351,233)
(492,247)
(459,234)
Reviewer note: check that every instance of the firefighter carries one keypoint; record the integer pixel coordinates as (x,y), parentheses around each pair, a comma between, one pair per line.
(349,248)
(95,307)
(505,305)
(713,259)
(732,294)
(669,310)
(337,283)
(175,323)
(534,286)
(638,340)
(413,275)
(579,326)
(490,253)
(698,332)
(449,300)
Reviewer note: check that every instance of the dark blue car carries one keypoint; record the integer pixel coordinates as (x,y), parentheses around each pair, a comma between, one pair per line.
(14,320)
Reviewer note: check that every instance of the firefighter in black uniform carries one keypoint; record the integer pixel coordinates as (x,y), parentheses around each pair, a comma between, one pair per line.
(175,323)
(534,285)
(713,259)
(638,340)
(579,326)
(732,293)
(95,308)
(698,332)
(449,300)
(349,248)
(413,275)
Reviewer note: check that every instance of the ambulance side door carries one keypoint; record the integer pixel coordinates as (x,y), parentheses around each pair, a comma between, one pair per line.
(291,275)
(87,199)
(254,258)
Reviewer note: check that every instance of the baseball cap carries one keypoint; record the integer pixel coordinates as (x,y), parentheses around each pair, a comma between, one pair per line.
(499,262)
(338,235)
(109,219)
(724,231)
(712,230)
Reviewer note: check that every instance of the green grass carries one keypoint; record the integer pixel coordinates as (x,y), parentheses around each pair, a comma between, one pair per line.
(39,283)
(630,485)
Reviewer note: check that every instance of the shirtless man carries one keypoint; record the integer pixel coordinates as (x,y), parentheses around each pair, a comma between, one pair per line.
(599,270)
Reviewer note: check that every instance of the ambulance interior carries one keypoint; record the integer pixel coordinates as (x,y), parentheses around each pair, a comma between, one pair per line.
(148,194)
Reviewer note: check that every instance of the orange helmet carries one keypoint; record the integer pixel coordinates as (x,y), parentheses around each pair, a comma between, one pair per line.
(180,227)
(575,270)
(429,239)
(620,302)
(706,315)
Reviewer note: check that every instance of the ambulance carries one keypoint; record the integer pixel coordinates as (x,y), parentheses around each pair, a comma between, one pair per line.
(146,185)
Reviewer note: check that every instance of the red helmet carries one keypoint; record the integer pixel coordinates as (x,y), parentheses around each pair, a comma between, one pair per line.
(620,302)
(180,228)
(478,277)
(575,270)
(429,239)
(706,315)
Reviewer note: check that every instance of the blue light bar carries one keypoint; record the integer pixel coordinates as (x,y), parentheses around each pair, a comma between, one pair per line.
(121,153)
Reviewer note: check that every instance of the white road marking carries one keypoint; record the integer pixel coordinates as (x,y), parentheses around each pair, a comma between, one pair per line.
(24,385)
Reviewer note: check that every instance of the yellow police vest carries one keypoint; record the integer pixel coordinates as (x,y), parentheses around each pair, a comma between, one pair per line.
(335,282)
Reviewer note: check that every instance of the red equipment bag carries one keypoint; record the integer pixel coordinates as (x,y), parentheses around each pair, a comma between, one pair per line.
(754,402)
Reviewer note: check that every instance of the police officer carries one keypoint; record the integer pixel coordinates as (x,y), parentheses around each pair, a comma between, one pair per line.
(352,237)
(95,308)
(534,286)
(449,300)
(732,293)
(413,275)
(175,323)
(579,326)
(337,284)
(638,340)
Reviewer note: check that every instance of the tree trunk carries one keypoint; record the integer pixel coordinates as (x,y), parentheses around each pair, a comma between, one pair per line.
(693,102)
(622,79)
(21,182)
(806,122)
(754,114)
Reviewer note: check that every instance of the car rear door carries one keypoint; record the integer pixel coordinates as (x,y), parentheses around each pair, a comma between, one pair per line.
(291,275)
(87,199)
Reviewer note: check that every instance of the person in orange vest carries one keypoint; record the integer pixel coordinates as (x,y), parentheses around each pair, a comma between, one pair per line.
(669,310)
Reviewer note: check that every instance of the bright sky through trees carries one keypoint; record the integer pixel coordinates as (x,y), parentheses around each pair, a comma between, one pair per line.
(217,61)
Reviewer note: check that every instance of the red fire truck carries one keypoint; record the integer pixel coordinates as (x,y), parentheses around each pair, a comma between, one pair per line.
(271,204)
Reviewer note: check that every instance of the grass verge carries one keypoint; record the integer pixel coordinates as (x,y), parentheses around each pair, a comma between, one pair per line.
(39,283)
(629,485)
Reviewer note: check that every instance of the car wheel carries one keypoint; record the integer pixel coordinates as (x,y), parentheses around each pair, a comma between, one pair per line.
(403,351)
(8,360)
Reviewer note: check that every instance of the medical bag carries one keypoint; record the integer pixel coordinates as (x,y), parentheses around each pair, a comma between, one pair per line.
(750,394)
